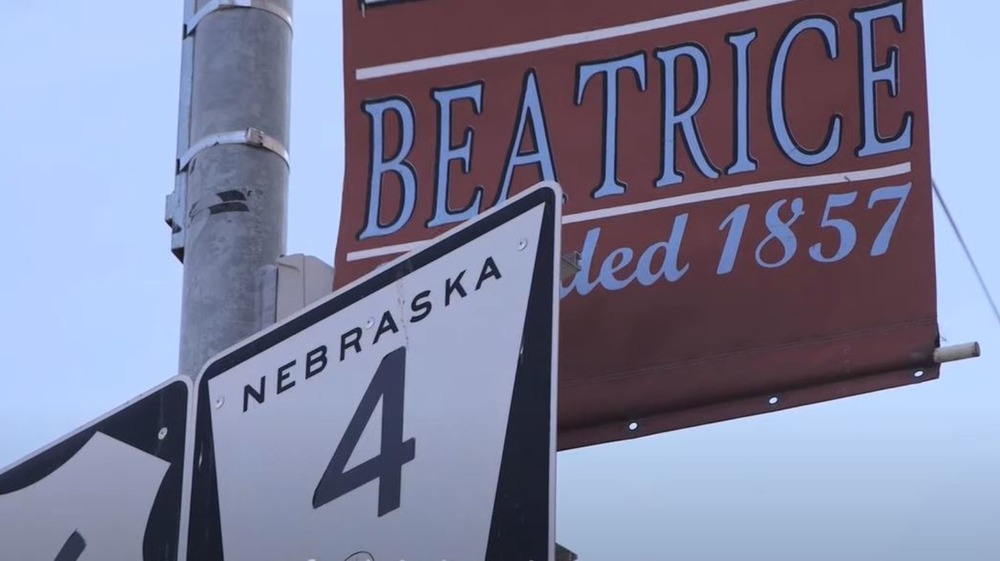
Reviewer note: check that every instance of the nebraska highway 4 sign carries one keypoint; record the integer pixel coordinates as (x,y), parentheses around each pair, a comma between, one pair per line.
(113,489)
(411,415)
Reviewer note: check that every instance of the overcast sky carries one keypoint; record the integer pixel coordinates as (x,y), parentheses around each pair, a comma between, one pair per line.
(91,293)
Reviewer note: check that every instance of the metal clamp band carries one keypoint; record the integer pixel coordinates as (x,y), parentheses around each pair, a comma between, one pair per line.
(249,137)
(267,5)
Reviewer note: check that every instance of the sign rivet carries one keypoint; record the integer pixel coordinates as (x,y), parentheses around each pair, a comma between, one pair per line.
(219,401)
(522,243)
(633,426)
(773,400)
(162,434)
(369,323)
(918,374)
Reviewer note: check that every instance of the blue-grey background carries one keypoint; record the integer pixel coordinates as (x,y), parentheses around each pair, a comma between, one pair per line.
(89,299)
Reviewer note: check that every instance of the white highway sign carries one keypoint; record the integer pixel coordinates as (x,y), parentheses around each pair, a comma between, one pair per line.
(409,416)
(110,490)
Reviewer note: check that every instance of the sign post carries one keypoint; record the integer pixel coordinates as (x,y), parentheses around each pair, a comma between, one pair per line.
(748,185)
(410,415)
(113,489)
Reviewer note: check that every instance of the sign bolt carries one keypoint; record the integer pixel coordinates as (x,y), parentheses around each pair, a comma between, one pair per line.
(219,401)
(162,434)
(522,243)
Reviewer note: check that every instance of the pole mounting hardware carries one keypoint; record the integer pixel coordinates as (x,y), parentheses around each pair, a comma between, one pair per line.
(269,6)
(175,214)
(249,137)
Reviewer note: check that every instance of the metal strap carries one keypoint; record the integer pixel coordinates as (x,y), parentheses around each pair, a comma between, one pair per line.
(249,137)
(269,6)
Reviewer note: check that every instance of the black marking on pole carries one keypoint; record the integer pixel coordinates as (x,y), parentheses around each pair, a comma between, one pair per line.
(231,202)
(72,549)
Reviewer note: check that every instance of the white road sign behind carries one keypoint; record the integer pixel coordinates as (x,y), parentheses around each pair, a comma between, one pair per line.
(113,489)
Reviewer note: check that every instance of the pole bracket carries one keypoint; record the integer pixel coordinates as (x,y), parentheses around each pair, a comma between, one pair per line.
(249,137)
(269,6)
(175,214)
(569,265)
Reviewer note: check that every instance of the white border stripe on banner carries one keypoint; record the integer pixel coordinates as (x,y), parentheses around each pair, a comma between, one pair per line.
(691,198)
(479,55)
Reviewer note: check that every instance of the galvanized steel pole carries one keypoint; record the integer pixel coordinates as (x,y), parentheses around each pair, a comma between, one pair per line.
(228,209)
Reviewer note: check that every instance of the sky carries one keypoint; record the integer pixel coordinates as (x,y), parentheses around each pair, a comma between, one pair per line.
(91,301)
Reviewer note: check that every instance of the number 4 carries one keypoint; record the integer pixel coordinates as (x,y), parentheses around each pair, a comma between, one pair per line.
(387,386)
(73,548)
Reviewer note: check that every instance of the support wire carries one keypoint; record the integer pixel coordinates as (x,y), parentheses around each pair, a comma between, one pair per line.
(965,248)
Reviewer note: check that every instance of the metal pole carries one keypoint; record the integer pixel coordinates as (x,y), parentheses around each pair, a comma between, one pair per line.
(228,209)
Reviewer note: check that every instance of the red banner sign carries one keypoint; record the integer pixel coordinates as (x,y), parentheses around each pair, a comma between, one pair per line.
(748,184)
